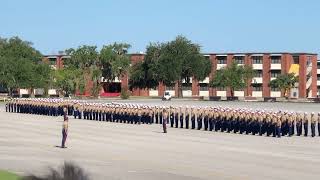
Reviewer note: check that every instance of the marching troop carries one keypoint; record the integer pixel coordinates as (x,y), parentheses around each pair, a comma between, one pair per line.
(219,119)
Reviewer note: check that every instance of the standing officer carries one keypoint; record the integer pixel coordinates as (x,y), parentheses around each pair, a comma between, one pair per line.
(165,117)
(64,131)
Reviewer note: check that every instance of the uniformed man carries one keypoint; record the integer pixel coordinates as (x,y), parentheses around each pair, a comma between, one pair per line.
(278,127)
(313,124)
(299,124)
(64,131)
(206,119)
(305,124)
(181,116)
(164,120)
(291,124)
(199,117)
(171,112)
(319,123)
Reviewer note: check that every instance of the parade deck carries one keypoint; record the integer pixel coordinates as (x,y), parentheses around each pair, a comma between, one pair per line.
(124,151)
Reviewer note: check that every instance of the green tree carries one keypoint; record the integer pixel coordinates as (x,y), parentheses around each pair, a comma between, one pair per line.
(171,62)
(85,59)
(114,61)
(20,65)
(284,82)
(67,80)
(233,76)
(144,74)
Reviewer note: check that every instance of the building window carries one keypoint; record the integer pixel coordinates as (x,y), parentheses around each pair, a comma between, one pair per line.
(204,86)
(221,89)
(52,61)
(259,73)
(275,89)
(239,59)
(295,59)
(256,59)
(221,60)
(318,77)
(257,87)
(275,60)
(275,73)
(309,60)
(186,86)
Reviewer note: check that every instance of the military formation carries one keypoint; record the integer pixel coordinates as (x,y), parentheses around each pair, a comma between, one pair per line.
(219,119)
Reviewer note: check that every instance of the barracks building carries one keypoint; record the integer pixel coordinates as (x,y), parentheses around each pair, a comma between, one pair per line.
(268,66)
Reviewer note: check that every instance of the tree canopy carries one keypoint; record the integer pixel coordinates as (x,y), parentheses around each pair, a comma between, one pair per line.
(233,76)
(110,62)
(170,62)
(21,65)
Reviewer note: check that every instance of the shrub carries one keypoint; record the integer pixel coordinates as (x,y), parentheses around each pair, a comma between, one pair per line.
(69,171)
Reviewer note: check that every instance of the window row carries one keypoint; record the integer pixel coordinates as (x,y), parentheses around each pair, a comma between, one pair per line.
(255,59)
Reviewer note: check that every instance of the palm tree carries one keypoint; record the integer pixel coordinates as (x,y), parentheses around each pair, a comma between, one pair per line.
(233,76)
(284,82)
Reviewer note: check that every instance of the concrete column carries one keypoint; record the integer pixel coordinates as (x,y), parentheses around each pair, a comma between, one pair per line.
(135,58)
(314,88)
(248,89)
(176,89)
(229,61)
(302,76)
(195,87)
(161,89)
(266,75)
(286,61)
(124,81)
(144,92)
(58,62)
(212,91)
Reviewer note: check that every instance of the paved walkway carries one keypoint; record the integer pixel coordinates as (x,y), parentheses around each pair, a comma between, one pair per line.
(141,152)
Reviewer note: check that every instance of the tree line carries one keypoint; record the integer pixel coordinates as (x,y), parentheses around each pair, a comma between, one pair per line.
(176,61)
